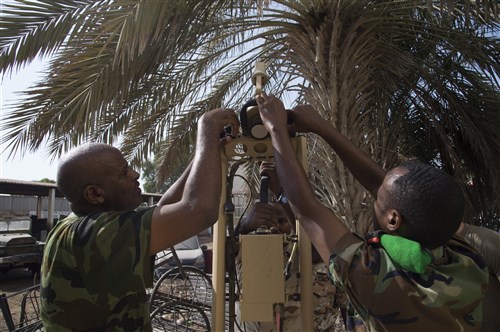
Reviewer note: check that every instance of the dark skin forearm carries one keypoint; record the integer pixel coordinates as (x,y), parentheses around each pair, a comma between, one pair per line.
(174,193)
(362,167)
(174,220)
(323,227)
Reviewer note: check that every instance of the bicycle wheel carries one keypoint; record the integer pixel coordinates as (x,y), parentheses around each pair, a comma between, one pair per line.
(176,316)
(182,300)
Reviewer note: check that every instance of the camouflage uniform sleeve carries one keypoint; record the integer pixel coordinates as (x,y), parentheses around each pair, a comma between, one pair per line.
(340,263)
(342,257)
(447,296)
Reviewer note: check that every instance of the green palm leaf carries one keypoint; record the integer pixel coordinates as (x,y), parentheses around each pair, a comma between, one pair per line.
(402,79)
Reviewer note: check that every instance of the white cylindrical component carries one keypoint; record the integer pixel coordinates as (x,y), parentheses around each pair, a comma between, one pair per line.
(259,77)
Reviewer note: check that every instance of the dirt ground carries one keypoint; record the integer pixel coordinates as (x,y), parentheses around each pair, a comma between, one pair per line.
(12,285)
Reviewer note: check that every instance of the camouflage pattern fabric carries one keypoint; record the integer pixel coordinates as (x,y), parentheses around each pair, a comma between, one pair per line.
(95,271)
(327,300)
(354,323)
(446,297)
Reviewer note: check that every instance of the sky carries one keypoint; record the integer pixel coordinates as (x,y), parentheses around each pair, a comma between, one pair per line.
(31,166)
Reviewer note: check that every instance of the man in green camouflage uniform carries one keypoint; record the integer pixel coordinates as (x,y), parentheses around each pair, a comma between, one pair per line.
(96,269)
(278,217)
(328,300)
(408,276)
(99,260)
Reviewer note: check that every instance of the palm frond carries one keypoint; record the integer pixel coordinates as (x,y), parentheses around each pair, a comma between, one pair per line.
(402,79)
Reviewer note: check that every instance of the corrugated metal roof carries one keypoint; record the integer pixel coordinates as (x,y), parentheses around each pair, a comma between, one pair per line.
(27,188)
(34,188)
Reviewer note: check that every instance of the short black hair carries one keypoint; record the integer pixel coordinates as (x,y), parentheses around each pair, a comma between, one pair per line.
(430,201)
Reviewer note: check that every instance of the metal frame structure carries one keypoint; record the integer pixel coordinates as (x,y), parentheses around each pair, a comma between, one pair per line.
(236,150)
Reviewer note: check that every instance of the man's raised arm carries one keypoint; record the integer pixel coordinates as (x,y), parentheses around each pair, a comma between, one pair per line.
(320,223)
(198,207)
(362,167)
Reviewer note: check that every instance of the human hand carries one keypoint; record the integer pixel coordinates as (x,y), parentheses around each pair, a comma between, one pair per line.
(262,214)
(220,121)
(269,168)
(305,118)
(272,112)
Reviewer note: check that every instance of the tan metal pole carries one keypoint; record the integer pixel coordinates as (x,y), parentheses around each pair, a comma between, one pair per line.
(219,253)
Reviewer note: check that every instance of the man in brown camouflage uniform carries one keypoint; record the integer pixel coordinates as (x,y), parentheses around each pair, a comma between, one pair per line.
(328,301)
(409,275)
(98,261)
(280,219)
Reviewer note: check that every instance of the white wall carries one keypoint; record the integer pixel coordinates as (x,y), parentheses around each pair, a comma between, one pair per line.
(27,206)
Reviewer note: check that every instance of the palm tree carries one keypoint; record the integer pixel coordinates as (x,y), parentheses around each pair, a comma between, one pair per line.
(401,79)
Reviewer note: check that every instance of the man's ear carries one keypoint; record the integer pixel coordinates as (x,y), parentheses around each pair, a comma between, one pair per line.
(93,194)
(394,220)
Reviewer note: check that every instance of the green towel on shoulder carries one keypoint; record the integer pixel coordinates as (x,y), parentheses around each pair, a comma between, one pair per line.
(406,253)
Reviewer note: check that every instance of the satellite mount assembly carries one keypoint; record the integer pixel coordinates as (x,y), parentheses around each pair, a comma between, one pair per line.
(257,303)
